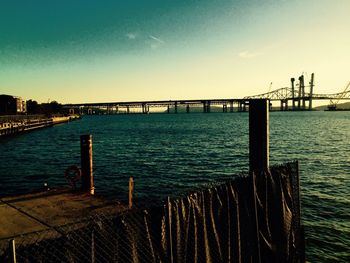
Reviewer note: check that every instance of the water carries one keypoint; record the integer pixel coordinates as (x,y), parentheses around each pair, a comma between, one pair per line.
(168,154)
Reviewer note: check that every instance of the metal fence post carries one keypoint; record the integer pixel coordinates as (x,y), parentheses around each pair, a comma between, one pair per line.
(87,179)
(93,247)
(297,213)
(12,254)
(170,231)
(131,190)
(258,134)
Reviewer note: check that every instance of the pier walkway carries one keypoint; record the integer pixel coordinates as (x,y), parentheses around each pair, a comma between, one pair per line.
(11,125)
(47,210)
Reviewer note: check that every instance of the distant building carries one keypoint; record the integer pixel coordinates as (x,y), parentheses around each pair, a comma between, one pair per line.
(10,105)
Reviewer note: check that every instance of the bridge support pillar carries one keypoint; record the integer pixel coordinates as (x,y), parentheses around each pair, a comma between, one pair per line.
(242,106)
(127,109)
(224,107)
(206,106)
(301,91)
(293,95)
(231,106)
(145,109)
(90,111)
(311,91)
(284,105)
(310,103)
(175,107)
(187,108)
(168,109)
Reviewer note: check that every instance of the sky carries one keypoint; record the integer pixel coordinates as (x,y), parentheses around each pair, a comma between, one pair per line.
(111,50)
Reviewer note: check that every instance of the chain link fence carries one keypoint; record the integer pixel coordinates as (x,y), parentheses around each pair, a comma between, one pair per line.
(254,218)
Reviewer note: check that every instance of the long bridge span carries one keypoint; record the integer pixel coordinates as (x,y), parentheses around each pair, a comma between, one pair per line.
(297,97)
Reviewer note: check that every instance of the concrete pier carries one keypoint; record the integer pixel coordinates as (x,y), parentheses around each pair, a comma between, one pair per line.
(46,210)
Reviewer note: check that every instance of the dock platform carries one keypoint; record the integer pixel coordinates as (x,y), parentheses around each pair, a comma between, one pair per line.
(20,215)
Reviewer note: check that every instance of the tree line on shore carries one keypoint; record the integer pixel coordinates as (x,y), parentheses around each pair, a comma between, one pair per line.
(51,108)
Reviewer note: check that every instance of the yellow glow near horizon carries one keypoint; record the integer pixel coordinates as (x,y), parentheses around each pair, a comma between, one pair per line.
(219,61)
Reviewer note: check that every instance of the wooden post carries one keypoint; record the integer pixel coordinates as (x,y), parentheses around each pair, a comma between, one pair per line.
(87,179)
(258,134)
(12,254)
(131,190)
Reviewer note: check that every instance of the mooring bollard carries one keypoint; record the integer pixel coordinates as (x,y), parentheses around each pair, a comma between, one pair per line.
(87,179)
(258,134)
(131,190)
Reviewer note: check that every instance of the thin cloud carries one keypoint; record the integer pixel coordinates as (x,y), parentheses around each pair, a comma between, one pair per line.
(156,39)
(247,54)
(154,42)
(131,36)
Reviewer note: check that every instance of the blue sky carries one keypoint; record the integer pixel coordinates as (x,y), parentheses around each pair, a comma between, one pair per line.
(85,51)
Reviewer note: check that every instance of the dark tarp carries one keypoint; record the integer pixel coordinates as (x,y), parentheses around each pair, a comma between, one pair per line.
(221,224)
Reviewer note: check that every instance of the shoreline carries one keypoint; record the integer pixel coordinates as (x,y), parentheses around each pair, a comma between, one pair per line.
(14,127)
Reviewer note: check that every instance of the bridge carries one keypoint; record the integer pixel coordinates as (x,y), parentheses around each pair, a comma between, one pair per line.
(297,97)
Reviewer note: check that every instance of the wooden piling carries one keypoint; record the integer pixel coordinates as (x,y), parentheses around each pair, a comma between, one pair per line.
(258,134)
(131,190)
(87,179)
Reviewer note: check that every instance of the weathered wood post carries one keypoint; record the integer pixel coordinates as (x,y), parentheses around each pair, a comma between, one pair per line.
(258,154)
(258,134)
(131,190)
(87,179)
(12,254)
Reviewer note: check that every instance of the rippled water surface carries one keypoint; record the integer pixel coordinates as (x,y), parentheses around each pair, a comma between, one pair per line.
(173,153)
